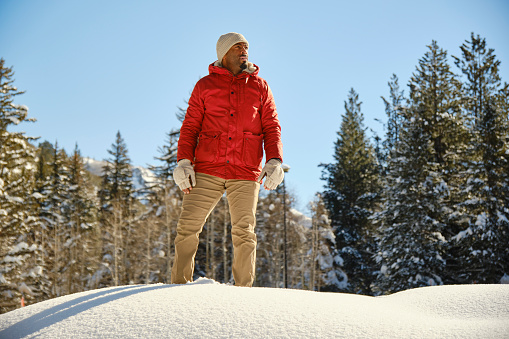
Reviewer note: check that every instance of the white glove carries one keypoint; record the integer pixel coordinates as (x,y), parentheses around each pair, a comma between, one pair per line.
(183,174)
(274,172)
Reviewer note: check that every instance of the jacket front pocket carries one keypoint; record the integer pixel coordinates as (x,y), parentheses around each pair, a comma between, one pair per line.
(207,149)
(253,150)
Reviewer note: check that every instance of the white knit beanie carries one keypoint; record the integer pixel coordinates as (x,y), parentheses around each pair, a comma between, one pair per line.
(226,41)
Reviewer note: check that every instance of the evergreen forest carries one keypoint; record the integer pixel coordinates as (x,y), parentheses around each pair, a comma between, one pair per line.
(425,204)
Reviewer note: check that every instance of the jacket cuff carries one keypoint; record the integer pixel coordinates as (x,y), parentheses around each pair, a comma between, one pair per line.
(280,162)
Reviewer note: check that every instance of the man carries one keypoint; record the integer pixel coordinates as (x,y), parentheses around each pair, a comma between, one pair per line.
(231,118)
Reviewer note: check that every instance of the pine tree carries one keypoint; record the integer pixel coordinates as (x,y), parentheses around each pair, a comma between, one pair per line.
(350,197)
(482,243)
(120,180)
(394,108)
(299,245)
(81,223)
(45,158)
(421,192)
(411,244)
(18,200)
(269,232)
(117,213)
(55,219)
(326,272)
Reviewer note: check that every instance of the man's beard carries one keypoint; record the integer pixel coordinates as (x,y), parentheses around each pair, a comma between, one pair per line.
(243,65)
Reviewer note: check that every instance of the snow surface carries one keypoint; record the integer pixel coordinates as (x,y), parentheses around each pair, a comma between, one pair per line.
(206,308)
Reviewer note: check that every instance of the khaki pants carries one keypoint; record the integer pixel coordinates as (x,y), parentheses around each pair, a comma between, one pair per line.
(242,197)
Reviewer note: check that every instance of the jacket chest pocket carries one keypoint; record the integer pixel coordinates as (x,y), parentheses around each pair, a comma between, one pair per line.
(207,149)
(252,150)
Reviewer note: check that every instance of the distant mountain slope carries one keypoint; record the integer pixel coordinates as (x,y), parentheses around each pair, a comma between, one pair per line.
(142,177)
(207,309)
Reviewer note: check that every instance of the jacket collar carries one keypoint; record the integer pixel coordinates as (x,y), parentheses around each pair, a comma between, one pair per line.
(251,69)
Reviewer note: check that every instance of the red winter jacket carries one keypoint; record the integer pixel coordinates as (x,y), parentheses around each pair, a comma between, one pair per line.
(228,119)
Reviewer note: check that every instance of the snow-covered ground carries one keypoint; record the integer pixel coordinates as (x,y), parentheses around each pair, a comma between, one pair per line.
(208,309)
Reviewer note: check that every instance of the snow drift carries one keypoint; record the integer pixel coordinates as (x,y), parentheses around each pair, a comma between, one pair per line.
(208,309)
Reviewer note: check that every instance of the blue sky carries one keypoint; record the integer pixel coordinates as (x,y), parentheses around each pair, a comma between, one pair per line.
(92,68)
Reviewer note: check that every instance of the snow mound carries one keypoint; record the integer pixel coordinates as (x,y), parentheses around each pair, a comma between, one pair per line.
(206,308)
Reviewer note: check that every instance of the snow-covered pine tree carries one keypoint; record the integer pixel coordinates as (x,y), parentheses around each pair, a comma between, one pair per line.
(117,214)
(269,232)
(42,234)
(19,215)
(326,273)
(45,152)
(394,108)
(270,261)
(121,176)
(421,188)
(482,244)
(106,273)
(411,244)
(104,193)
(351,191)
(55,219)
(299,244)
(82,223)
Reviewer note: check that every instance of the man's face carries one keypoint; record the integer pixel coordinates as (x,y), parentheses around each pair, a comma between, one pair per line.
(237,56)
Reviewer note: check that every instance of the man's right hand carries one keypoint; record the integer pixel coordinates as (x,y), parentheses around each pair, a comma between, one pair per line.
(184,175)
(274,173)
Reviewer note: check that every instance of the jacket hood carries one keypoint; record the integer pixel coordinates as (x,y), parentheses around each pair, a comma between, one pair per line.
(216,67)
